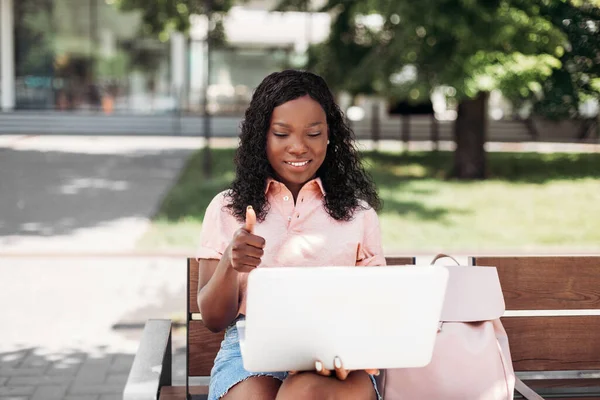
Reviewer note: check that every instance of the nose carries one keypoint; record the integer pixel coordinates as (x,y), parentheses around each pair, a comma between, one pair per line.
(298,147)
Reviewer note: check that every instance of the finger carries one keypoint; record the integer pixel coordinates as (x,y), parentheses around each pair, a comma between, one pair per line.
(321,369)
(292,372)
(248,250)
(372,372)
(255,241)
(250,219)
(340,371)
(249,260)
(244,267)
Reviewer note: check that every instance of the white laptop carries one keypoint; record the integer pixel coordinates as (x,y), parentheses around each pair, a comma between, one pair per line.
(371,317)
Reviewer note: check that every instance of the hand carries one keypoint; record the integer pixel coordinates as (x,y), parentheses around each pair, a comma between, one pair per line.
(340,372)
(246,249)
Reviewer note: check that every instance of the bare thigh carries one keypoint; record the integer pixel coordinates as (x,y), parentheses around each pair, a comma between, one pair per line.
(254,388)
(358,386)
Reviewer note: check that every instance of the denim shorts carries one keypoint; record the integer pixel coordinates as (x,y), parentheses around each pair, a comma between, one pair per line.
(228,369)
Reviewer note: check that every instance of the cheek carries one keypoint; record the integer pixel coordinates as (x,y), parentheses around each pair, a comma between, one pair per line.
(322,151)
(270,148)
(274,150)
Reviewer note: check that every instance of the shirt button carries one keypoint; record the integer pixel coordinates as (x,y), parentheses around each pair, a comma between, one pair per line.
(289,218)
(286,198)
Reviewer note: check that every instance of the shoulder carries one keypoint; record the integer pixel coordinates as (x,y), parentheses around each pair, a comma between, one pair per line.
(217,208)
(221,199)
(366,213)
(365,209)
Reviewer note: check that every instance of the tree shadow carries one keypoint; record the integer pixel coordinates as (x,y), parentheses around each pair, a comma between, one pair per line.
(420,211)
(35,371)
(543,168)
(49,193)
(70,372)
(393,173)
(81,327)
(192,192)
(525,167)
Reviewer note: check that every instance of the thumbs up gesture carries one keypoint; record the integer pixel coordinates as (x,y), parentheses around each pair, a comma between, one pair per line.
(246,249)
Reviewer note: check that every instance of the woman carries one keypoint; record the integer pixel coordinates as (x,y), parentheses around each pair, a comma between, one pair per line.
(300,198)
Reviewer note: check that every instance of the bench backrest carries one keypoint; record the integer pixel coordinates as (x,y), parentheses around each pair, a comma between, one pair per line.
(552,318)
(203,344)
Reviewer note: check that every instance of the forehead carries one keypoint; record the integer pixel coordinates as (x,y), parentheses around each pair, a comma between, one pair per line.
(299,111)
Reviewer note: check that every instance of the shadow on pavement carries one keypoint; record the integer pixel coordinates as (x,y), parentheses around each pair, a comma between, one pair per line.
(36,373)
(55,193)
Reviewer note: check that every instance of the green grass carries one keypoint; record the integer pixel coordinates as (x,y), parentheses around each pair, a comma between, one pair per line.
(530,203)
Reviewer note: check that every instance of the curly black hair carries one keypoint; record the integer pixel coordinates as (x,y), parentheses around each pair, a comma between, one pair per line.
(345,181)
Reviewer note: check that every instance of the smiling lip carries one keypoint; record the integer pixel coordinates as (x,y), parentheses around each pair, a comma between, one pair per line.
(298,164)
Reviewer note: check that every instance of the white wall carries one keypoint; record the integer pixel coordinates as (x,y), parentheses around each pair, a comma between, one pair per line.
(7,56)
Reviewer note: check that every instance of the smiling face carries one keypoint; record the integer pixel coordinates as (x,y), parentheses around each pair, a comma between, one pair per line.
(297,141)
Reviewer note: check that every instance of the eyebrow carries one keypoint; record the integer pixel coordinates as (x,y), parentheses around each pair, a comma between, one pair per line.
(289,126)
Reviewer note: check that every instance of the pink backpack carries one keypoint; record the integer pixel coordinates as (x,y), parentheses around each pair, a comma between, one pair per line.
(471,358)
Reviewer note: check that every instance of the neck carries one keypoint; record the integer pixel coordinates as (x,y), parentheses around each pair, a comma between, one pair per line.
(294,189)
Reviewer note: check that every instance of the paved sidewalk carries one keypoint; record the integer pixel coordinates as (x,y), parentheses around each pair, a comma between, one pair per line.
(71,326)
(83,194)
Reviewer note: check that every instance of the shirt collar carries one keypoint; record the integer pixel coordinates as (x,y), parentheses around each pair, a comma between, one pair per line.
(312,183)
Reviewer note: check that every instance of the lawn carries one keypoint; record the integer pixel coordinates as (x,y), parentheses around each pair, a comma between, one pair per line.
(530,203)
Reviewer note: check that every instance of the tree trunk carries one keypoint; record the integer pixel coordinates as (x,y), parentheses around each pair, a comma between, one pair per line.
(470,133)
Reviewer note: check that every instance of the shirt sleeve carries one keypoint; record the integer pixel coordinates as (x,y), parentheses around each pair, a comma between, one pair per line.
(370,251)
(216,230)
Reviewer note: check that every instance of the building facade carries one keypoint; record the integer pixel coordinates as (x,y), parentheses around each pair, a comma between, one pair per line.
(87,55)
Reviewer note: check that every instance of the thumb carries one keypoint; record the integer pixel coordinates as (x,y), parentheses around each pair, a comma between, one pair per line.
(250,219)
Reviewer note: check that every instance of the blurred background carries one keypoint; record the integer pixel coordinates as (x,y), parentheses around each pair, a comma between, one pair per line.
(478,120)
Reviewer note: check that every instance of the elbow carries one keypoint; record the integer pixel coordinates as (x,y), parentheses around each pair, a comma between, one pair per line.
(213,323)
(213,326)
(211,318)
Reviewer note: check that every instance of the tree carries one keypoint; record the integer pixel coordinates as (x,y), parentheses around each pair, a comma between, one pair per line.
(161,17)
(531,51)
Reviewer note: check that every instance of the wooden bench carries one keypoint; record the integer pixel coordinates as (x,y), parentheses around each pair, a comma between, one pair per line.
(553,322)
(150,375)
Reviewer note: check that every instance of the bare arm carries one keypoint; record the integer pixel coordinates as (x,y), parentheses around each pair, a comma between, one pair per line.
(218,292)
(218,287)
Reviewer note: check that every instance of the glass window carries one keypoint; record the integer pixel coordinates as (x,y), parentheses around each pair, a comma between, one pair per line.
(88,55)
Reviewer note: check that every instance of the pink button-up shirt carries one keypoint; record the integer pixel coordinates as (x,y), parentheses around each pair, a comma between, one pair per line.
(301,234)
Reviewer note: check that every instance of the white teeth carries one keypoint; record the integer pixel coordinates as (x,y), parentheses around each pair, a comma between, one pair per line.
(297,164)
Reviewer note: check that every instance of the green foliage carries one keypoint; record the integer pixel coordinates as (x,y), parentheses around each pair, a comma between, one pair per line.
(164,16)
(545,52)
(579,21)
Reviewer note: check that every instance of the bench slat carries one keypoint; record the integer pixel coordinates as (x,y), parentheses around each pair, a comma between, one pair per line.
(547,282)
(203,347)
(554,343)
(562,398)
(193,286)
(562,383)
(567,388)
(178,392)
